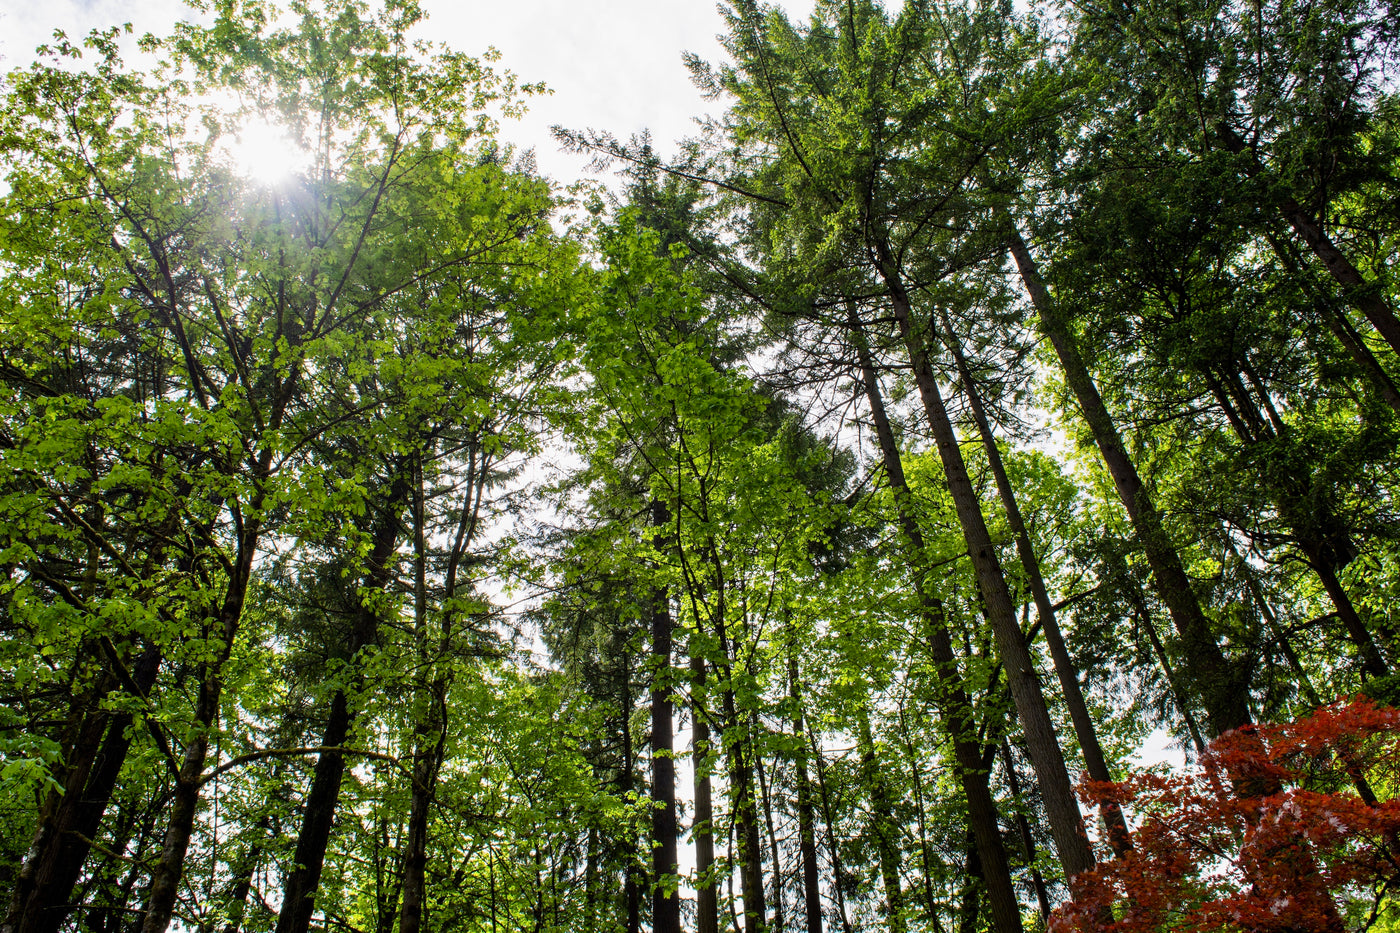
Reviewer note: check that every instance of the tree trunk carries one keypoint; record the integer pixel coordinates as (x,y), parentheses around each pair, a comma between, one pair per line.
(1337,321)
(1181,697)
(833,844)
(745,820)
(631,883)
(736,746)
(429,724)
(44,889)
(665,898)
(1372,664)
(318,815)
(806,823)
(1024,828)
(304,876)
(1213,678)
(1364,295)
(242,885)
(1057,792)
(911,756)
(706,898)
(165,879)
(1315,531)
(765,795)
(1065,671)
(954,707)
(881,824)
(971,899)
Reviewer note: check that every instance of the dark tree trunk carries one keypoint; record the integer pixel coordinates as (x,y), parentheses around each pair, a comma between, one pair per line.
(1065,671)
(242,885)
(1336,320)
(1213,678)
(1364,295)
(765,795)
(1315,530)
(631,883)
(882,824)
(741,780)
(1372,664)
(1057,792)
(911,756)
(806,821)
(170,867)
(971,899)
(1042,896)
(428,732)
(318,816)
(304,875)
(955,709)
(44,889)
(833,843)
(665,899)
(706,897)
(741,777)
(431,724)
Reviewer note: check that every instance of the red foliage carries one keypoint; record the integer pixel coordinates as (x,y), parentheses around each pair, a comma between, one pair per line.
(1269,834)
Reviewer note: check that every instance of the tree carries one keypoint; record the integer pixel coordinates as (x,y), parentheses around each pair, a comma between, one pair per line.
(1207,857)
(255,310)
(859,186)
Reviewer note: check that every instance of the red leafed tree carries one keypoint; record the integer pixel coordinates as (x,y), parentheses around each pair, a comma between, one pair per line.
(1291,828)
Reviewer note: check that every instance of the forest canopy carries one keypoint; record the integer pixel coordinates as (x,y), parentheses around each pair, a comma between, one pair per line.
(805,531)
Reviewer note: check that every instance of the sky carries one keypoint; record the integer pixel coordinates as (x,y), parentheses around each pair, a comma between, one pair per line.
(614,65)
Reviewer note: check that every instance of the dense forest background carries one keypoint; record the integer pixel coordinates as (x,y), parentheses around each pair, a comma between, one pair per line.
(767,542)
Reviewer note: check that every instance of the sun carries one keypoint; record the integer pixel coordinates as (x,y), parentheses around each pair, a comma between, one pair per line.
(265,152)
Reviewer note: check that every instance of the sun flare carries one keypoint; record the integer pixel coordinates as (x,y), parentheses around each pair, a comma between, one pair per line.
(266,153)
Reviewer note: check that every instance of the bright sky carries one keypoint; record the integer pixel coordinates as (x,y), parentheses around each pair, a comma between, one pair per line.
(614,65)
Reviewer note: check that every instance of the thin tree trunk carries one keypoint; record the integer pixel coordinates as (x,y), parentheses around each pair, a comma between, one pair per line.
(833,844)
(1065,671)
(665,898)
(706,899)
(44,889)
(590,882)
(631,884)
(431,721)
(917,783)
(1256,593)
(165,880)
(806,822)
(1372,664)
(237,898)
(736,745)
(955,709)
(1173,683)
(1057,792)
(428,734)
(304,875)
(779,919)
(1364,295)
(745,822)
(1213,678)
(1251,428)
(882,823)
(1042,896)
(1336,320)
